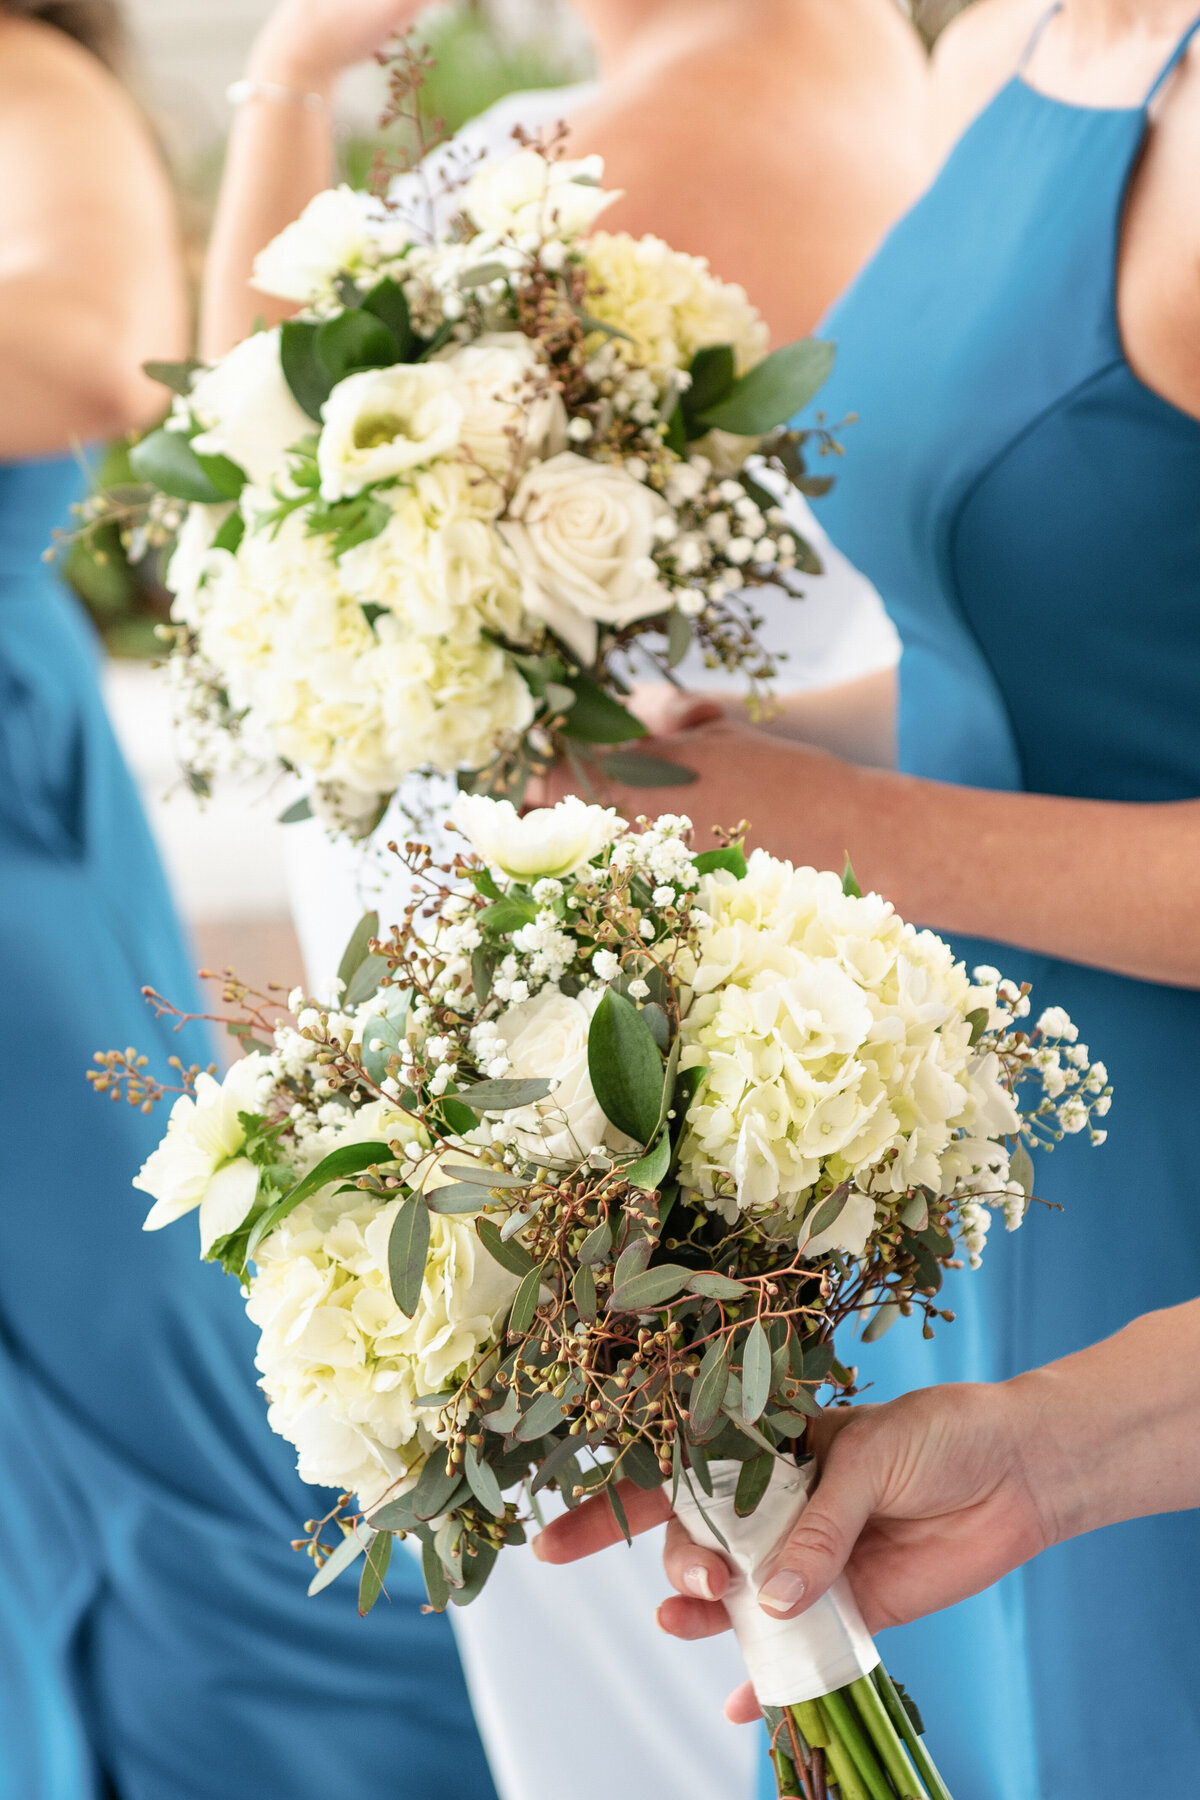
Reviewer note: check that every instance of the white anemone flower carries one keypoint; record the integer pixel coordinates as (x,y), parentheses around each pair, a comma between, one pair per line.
(199,1162)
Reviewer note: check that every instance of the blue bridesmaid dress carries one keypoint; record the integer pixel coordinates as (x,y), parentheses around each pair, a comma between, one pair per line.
(1030,512)
(156,1641)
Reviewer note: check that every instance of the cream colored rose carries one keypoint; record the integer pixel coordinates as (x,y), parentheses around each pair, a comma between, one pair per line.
(336,233)
(510,411)
(198,1163)
(247,412)
(549,841)
(582,534)
(525,192)
(383,422)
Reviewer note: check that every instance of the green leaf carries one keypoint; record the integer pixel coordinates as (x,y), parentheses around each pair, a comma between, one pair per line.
(231,533)
(524,1306)
(1020,1167)
(583,1292)
(485,1177)
(374,1569)
(358,949)
(436,1489)
(350,1547)
(597,1245)
(882,1322)
(709,1389)
(436,1585)
(731,857)
(774,390)
(829,1211)
(978,1021)
(508,914)
(508,1253)
(676,439)
(477,1566)
(850,885)
(299,810)
(547,1411)
(408,1248)
(756,1373)
(598,718)
(303,370)
(389,303)
(649,1290)
(713,373)
(380,1042)
(352,342)
(679,637)
(649,1171)
(167,461)
(365,981)
(174,375)
(348,1159)
(618,1512)
(504,1095)
(717,1287)
(458,1197)
(482,1482)
(752,1484)
(504,1418)
(484,962)
(625,1066)
(638,1462)
(634,769)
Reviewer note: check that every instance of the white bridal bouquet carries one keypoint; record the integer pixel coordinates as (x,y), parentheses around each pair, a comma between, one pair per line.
(421,526)
(573,1183)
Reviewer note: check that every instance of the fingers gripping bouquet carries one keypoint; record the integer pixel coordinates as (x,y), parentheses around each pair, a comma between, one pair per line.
(421,526)
(576,1182)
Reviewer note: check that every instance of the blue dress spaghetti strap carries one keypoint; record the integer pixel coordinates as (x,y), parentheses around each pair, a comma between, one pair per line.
(156,1641)
(1030,512)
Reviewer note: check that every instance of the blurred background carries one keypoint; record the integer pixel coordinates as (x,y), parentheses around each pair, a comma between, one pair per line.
(225,857)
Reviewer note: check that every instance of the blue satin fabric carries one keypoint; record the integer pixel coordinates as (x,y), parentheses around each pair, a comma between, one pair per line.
(156,1642)
(1030,512)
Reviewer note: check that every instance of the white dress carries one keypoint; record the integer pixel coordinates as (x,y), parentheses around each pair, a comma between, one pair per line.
(551,1653)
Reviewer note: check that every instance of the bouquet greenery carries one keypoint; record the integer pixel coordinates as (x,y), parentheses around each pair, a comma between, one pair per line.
(576,1180)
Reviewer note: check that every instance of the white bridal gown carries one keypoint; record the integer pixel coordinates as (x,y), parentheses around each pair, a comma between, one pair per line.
(574,1687)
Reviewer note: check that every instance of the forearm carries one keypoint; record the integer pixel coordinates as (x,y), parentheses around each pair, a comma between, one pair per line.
(1109,884)
(1113,1432)
(855,720)
(280,154)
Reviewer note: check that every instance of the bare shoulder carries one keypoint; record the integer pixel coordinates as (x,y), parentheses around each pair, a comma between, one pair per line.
(56,93)
(976,54)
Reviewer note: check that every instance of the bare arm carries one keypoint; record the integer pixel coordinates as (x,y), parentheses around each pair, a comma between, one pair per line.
(280,151)
(90,280)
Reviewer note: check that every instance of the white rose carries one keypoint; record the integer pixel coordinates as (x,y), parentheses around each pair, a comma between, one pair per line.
(335,233)
(549,841)
(510,412)
(198,1162)
(246,410)
(384,422)
(524,192)
(548,1036)
(582,534)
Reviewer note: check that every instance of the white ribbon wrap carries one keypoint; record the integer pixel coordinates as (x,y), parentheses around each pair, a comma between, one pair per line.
(788,1660)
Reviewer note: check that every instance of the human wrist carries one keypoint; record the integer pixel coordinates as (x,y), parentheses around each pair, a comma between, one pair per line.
(278,59)
(1072,1450)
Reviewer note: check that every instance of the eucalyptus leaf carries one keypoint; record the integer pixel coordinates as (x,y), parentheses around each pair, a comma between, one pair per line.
(829,1211)
(679,637)
(525,1302)
(358,949)
(547,1411)
(597,1245)
(709,1389)
(882,1322)
(716,1287)
(298,811)
(174,375)
(773,391)
(436,1490)
(638,1462)
(756,1373)
(484,1177)
(408,1250)
(365,982)
(649,1171)
(1020,1167)
(625,1067)
(633,1260)
(436,1585)
(482,1482)
(511,1256)
(457,1197)
(583,1292)
(504,1095)
(347,1551)
(651,1289)
(375,1568)
(633,769)
(752,1484)
(504,1418)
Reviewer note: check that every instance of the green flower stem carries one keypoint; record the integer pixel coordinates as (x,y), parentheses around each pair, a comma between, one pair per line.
(850,1736)
(921,1758)
(881,1730)
(845,1775)
(810,1723)
(786,1778)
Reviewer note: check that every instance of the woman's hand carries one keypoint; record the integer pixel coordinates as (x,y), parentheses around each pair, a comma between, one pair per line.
(306,44)
(921,1502)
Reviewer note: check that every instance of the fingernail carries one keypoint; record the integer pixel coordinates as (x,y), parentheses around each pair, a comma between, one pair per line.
(535,1544)
(784,1591)
(695,1581)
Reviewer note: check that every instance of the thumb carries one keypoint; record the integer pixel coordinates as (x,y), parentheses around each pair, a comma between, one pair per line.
(820,1543)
